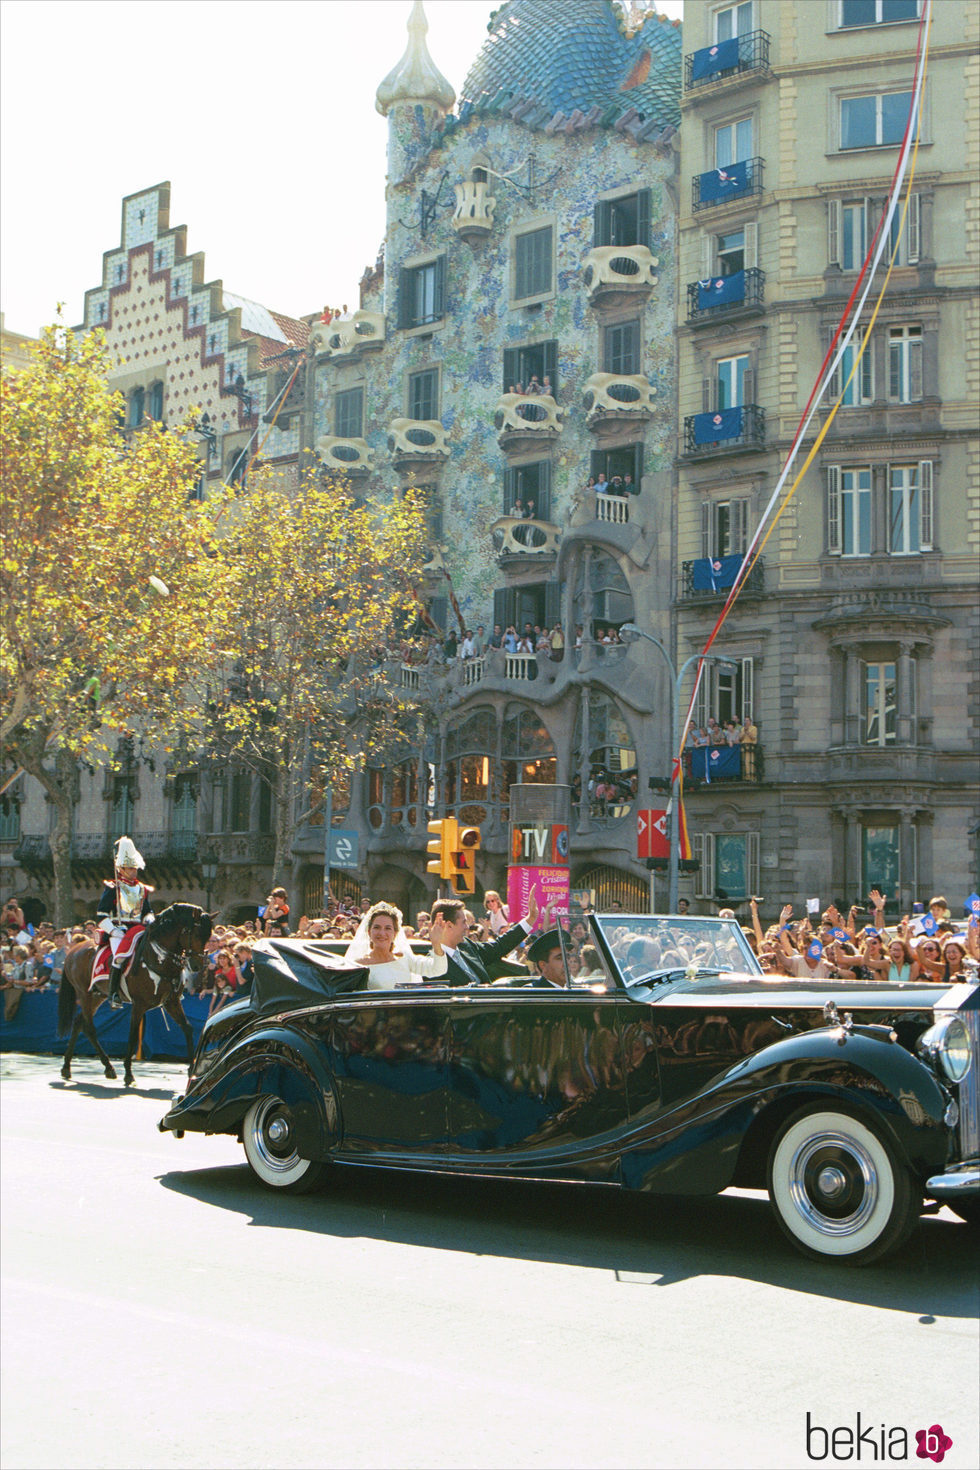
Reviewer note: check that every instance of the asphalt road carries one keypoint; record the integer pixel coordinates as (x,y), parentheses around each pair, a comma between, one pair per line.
(160,1309)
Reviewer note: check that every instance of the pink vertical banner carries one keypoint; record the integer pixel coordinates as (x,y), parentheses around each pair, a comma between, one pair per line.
(550,887)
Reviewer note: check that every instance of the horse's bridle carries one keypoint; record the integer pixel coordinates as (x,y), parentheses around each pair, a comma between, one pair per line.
(176,957)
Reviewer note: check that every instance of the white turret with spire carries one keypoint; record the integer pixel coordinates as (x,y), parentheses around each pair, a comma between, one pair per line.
(416,78)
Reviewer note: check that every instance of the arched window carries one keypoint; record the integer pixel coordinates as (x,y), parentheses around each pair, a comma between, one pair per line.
(611,779)
(137,403)
(527,753)
(156,401)
(469,757)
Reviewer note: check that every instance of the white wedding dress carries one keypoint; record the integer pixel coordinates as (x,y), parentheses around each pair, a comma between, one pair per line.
(406,968)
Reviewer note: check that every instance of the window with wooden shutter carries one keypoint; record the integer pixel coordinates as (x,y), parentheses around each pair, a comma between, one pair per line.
(914,230)
(422,293)
(533,360)
(833,231)
(833,508)
(623,221)
(706,548)
(552,603)
(533,263)
(925,505)
(747,692)
(751,229)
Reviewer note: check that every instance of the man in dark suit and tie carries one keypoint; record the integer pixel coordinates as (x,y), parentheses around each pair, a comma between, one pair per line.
(472,962)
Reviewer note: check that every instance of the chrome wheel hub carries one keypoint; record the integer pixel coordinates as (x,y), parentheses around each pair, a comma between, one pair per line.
(834,1183)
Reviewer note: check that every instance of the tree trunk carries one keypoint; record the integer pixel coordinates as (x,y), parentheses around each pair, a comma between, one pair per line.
(58,780)
(282,783)
(61,834)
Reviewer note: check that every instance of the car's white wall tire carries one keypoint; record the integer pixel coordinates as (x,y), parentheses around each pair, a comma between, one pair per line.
(838,1189)
(270,1151)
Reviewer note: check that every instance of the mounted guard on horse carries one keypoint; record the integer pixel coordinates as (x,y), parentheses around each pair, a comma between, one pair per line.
(124,912)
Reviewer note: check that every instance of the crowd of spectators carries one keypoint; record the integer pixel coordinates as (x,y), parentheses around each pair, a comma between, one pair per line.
(926,945)
(730,733)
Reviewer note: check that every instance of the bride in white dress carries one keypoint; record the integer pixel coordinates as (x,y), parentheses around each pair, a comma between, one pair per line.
(382,944)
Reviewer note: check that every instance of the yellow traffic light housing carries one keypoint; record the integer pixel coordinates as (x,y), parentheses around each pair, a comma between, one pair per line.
(463,854)
(446,834)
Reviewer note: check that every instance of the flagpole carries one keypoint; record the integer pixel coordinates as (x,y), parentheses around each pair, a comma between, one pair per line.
(674,807)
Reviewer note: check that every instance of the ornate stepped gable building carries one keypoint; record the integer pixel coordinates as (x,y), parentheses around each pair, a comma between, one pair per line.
(856,639)
(530,244)
(182,345)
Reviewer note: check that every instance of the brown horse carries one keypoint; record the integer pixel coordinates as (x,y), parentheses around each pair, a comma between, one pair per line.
(155,979)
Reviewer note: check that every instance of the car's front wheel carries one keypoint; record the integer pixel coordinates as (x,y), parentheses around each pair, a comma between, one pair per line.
(268,1137)
(838,1188)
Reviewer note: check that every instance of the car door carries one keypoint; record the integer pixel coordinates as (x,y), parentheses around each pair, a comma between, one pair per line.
(537,1082)
(388,1052)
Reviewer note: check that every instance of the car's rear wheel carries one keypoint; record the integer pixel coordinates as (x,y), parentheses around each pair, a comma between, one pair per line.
(838,1188)
(268,1137)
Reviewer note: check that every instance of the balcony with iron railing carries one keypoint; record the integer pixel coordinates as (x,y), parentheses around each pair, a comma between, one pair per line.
(33,849)
(722,298)
(718,186)
(714,576)
(724,431)
(739,58)
(706,765)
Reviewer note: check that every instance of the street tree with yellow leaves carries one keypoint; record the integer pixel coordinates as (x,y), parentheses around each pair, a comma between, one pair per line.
(313,590)
(106,579)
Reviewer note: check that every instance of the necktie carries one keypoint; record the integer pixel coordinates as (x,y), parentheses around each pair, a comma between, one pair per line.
(468,971)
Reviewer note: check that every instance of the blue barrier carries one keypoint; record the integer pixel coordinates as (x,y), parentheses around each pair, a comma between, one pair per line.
(34,1028)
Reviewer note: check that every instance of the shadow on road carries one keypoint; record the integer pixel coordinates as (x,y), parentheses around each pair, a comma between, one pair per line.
(111,1089)
(645,1240)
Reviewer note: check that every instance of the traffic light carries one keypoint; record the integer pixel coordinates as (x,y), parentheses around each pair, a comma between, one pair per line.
(442,849)
(463,854)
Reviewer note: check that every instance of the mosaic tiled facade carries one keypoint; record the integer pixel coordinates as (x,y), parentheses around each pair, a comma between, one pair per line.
(502,217)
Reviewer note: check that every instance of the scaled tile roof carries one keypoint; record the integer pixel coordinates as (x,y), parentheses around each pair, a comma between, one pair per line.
(575,57)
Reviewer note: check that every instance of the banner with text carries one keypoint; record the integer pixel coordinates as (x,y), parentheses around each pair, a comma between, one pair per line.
(550,887)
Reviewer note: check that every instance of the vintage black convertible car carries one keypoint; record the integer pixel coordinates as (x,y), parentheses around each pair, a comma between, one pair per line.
(678,1068)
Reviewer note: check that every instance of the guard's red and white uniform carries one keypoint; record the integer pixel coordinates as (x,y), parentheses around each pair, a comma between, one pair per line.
(124,912)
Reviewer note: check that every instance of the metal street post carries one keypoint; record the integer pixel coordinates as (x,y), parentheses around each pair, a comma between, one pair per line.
(677,679)
(327,843)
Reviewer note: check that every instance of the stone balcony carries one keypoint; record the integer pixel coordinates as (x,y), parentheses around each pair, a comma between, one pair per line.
(417,445)
(617,274)
(473,217)
(350,337)
(613,400)
(518,539)
(346,456)
(523,420)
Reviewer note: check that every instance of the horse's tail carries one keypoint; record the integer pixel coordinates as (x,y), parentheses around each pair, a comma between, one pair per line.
(66,1005)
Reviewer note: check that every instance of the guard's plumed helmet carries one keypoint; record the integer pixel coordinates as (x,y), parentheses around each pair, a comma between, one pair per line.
(126,854)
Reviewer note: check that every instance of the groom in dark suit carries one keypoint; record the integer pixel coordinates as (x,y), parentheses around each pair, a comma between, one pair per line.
(470,962)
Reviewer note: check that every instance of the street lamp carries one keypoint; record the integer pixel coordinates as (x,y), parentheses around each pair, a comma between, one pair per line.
(209,871)
(631,631)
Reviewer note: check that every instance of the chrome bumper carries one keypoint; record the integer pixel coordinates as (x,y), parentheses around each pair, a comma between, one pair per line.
(961,1180)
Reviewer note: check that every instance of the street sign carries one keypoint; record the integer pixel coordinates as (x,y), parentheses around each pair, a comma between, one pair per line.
(343,848)
(652,838)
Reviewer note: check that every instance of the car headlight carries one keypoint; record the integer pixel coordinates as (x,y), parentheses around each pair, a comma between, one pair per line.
(947,1045)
